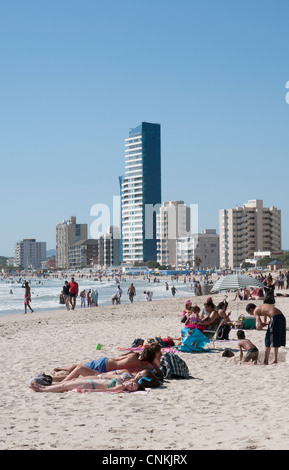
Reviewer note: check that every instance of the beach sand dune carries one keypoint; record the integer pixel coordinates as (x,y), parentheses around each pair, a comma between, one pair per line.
(224,405)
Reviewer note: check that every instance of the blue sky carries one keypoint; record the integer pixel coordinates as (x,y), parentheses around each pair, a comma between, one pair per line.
(76,76)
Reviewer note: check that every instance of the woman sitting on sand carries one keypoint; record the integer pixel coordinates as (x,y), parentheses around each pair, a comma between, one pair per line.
(213,318)
(149,358)
(141,380)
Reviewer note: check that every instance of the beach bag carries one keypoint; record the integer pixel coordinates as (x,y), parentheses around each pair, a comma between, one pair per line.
(173,366)
(223,332)
(192,340)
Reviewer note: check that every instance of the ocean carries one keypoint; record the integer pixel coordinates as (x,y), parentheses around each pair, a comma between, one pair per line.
(45,292)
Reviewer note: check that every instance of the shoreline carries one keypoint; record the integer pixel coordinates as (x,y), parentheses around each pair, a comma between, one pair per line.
(78,308)
(62,312)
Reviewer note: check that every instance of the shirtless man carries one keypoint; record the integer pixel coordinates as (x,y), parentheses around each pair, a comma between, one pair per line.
(149,358)
(131,292)
(276,332)
(27,296)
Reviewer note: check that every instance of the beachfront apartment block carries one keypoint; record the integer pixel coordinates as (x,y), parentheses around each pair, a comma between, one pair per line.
(173,221)
(247,229)
(200,250)
(140,193)
(68,232)
(101,252)
(83,253)
(29,253)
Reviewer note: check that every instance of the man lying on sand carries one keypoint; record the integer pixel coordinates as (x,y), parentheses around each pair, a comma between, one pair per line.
(149,358)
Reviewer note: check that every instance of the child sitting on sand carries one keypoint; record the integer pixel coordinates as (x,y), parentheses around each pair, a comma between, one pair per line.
(252,351)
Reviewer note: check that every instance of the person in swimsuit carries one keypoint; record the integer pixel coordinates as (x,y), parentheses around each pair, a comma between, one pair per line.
(94,384)
(213,318)
(276,332)
(27,297)
(133,361)
(252,351)
(131,292)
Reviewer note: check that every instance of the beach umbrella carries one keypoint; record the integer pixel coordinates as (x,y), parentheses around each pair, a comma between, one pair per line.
(235,281)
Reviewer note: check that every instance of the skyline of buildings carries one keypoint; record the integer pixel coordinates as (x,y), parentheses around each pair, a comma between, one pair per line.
(152,230)
(247,233)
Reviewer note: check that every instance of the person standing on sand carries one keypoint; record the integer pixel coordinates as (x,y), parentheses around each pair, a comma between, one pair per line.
(88,298)
(269,286)
(276,332)
(73,292)
(65,291)
(27,297)
(82,298)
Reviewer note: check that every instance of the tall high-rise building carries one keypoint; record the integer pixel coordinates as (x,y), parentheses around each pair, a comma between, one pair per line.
(68,232)
(247,229)
(173,221)
(140,190)
(29,253)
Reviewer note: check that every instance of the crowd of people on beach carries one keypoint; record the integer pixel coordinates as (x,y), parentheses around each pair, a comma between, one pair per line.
(143,369)
(70,292)
(216,318)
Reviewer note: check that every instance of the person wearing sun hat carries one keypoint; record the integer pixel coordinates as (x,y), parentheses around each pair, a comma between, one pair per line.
(186,310)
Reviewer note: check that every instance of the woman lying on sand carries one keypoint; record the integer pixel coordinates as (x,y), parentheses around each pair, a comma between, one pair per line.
(93,384)
(149,358)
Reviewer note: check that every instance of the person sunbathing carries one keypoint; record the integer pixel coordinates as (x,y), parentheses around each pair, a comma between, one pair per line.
(149,358)
(94,384)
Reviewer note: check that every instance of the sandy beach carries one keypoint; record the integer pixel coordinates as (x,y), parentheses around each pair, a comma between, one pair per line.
(224,405)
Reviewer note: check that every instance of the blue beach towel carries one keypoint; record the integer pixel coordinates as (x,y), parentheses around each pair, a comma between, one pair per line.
(192,340)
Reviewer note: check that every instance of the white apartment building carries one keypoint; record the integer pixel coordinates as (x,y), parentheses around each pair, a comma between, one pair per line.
(173,221)
(140,188)
(29,253)
(204,246)
(247,229)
